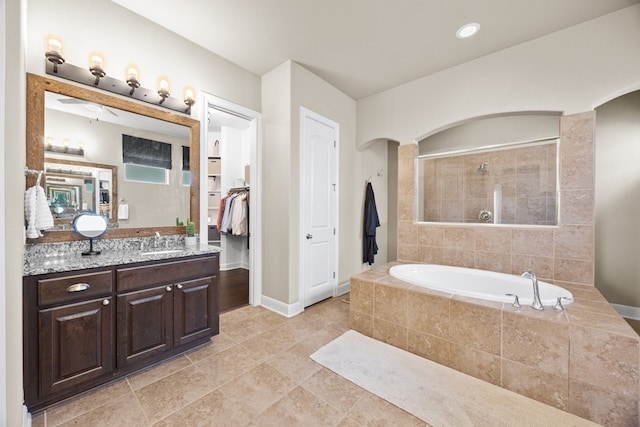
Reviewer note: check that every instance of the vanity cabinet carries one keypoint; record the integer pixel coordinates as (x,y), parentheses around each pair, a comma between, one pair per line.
(85,328)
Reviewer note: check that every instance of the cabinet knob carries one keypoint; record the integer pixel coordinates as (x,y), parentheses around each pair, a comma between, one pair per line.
(179,286)
(168,288)
(105,302)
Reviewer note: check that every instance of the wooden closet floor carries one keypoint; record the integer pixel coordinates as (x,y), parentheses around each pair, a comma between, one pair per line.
(234,289)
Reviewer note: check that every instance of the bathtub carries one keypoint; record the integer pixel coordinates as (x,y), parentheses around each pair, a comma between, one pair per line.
(481,284)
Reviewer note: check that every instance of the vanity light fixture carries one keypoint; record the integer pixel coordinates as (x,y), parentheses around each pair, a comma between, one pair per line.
(54,52)
(133,77)
(468,30)
(97,77)
(189,98)
(96,66)
(64,148)
(163,88)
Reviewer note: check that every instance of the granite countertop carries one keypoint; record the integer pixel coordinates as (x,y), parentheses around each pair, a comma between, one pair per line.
(68,260)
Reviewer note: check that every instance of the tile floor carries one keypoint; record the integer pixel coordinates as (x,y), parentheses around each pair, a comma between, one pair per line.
(257,372)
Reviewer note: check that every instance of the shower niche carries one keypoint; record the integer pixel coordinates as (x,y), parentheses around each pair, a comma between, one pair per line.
(477,176)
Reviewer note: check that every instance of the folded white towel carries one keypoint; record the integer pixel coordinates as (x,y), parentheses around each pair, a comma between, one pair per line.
(36,211)
(44,219)
(30,213)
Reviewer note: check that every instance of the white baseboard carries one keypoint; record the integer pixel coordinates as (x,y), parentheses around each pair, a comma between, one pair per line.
(343,288)
(26,417)
(627,311)
(287,310)
(233,266)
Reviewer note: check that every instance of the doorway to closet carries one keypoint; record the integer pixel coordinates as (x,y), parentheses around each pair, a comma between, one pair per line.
(230,198)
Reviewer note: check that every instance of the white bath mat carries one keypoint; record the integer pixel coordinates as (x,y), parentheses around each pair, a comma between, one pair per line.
(434,393)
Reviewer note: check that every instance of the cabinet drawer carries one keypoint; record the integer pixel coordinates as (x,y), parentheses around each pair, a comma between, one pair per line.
(74,288)
(213,167)
(129,279)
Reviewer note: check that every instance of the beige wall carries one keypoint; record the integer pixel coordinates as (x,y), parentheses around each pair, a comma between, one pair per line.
(618,200)
(570,71)
(286,89)
(14,160)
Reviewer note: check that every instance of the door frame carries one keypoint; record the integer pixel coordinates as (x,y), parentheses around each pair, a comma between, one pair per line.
(305,113)
(255,173)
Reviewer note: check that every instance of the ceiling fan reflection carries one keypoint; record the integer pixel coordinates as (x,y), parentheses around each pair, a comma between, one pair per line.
(91,106)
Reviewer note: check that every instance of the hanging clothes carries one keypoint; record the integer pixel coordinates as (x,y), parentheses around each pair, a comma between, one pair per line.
(371,222)
(233,216)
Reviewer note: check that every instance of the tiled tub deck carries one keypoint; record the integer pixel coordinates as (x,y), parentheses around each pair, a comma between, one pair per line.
(584,360)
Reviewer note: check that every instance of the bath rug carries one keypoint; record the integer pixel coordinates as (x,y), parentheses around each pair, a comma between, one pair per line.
(432,392)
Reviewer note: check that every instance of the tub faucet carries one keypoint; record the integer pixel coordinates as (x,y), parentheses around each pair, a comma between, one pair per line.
(156,238)
(536,304)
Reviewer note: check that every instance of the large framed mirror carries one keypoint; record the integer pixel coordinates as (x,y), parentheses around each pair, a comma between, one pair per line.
(177,197)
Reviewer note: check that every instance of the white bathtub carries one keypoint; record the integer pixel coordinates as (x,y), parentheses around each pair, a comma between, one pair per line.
(486,285)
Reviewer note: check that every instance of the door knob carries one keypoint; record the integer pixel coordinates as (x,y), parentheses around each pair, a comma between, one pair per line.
(309,236)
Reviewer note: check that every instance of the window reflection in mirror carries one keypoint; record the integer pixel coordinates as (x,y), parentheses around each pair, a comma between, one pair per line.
(482,172)
(101,131)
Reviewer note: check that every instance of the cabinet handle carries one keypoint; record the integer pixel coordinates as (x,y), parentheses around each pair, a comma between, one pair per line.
(168,288)
(105,302)
(78,287)
(179,286)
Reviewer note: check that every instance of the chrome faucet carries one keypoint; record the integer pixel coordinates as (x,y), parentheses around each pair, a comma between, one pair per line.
(156,239)
(536,304)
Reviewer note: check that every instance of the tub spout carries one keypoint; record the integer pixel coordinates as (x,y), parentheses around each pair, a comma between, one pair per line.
(536,304)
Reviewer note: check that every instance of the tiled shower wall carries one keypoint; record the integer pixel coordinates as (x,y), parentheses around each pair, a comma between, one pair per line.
(563,253)
(517,185)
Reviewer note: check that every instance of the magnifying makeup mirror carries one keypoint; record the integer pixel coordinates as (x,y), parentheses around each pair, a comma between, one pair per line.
(91,226)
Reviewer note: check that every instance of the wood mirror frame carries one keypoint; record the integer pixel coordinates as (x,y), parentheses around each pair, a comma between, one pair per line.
(36,88)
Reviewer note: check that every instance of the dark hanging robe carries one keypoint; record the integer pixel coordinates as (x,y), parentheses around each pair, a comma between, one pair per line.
(371,222)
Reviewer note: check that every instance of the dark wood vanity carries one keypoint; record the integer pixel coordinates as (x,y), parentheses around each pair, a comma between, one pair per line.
(84,328)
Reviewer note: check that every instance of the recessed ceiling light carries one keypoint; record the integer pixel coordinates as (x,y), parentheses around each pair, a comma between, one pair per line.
(467,30)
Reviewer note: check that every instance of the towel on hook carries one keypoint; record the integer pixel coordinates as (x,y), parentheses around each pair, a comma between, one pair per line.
(36,211)
(123,211)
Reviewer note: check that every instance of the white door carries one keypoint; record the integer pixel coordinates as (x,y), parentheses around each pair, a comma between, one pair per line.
(319,148)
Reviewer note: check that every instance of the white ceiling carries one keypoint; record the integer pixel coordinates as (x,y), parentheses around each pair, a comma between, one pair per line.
(364,46)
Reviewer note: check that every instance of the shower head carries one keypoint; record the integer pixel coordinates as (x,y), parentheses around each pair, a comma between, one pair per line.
(484,167)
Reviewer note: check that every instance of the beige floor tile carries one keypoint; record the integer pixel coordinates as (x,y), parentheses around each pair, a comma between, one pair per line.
(66,411)
(227,365)
(155,373)
(258,388)
(218,344)
(298,408)
(38,420)
(243,313)
(214,409)
(272,319)
(124,411)
(338,392)
(295,362)
(171,393)
(374,411)
(269,343)
(245,329)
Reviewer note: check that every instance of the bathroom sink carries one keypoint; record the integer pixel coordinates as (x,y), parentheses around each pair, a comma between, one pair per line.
(166,251)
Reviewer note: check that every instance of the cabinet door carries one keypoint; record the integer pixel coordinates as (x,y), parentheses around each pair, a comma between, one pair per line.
(75,344)
(145,324)
(195,310)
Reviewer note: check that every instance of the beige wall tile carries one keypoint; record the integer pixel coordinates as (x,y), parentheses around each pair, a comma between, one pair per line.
(390,304)
(407,232)
(577,172)
(430,347)
(539,385)
(475,363)
(602,406)
(431,235)
(536,242)
(461,238)
(609,322)
(391,333)
(536,343)
(361,296)
(493,261)
(408,252)
(459,258)
(476,326)
(573,270)
(431,255)
(576,207)
(574,241)
(540,265)
(362,323)
(577,133)
(605,360)
(428,314)
(493,239)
